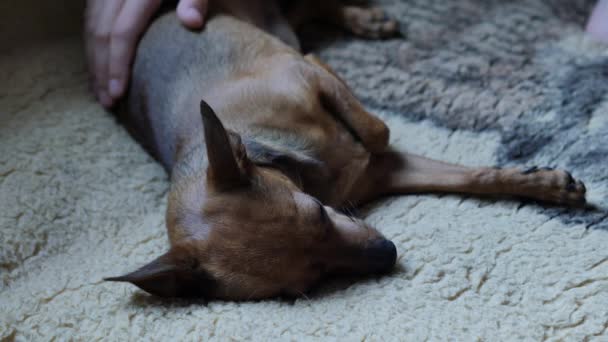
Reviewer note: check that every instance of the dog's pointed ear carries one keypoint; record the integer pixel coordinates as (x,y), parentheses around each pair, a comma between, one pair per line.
(171,275)
(228,161)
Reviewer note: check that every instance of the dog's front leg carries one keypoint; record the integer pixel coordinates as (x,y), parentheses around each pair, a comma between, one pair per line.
(336,95)
(394,172)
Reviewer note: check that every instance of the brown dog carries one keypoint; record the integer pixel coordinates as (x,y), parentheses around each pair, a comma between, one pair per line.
(253,183)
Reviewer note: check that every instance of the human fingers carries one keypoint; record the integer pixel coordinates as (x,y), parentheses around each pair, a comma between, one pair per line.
(100,16)
(192,12)
(132,20)
(597,26)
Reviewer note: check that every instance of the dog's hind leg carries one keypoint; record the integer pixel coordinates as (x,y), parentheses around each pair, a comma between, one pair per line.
(372,23)
(366,22)
(395,172)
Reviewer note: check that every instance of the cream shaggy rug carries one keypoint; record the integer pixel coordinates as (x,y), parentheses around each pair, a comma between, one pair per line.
(80,200)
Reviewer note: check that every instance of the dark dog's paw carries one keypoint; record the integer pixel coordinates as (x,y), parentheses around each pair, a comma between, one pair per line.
(370,23)
(555,186)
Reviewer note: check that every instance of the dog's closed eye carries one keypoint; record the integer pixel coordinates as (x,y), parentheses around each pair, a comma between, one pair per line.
(324,217)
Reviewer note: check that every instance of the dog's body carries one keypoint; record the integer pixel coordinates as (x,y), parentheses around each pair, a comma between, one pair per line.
(244,215)
(261,91)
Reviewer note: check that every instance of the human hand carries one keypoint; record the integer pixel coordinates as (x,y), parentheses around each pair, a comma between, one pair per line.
(597,26)
(112,31)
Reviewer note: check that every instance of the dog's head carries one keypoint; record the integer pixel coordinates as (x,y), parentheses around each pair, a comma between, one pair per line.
(240,231)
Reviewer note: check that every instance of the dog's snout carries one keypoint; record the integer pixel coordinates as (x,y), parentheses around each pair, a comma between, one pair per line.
(381,255)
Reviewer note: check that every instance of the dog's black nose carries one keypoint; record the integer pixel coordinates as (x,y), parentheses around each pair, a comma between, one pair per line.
(381,256)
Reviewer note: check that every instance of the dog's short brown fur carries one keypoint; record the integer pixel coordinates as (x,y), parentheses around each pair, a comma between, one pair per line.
(250,207)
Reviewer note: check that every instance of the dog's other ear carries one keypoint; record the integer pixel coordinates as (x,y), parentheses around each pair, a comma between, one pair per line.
(290,162)
(171,275)
(228,163)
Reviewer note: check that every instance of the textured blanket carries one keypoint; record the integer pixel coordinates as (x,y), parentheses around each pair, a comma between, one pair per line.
(471,81)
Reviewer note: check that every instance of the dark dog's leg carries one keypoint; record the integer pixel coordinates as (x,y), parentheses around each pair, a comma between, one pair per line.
(336,95)
(365,22)
(395,172)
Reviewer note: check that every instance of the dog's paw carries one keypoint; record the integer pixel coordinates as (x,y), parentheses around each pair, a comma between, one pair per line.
(370,23)
(556,186)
